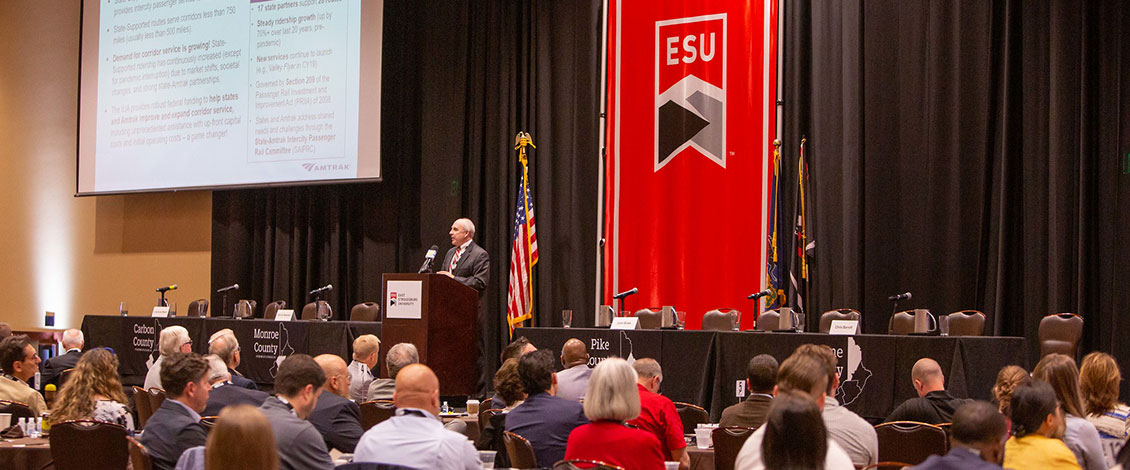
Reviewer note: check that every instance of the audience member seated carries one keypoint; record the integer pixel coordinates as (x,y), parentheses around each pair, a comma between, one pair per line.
(366,354)
(509,386)
(799,374)
(976,440)
(544,419)
(515,350)
(399,356)
(1059,371)
(761,377)
(657,412)
(1008,379)
(72,342)
(297,385)
(415,438)
(794,434)
(1037,429)
(241,438)
(1099,379)
(19,361)
(224,345)
(854,434)
(175,426)
(572,381)
(336,416)
(94,391)
(173,339)
(934,405)
(5,330)
(610,401)
(224,393)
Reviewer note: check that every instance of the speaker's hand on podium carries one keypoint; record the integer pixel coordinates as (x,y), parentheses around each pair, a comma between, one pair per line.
(447,273)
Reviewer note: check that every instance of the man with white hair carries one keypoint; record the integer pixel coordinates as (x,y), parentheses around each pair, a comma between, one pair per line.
(224,393)
(72,343)
(466,261)
(174,339)
(399,356)
(224,345)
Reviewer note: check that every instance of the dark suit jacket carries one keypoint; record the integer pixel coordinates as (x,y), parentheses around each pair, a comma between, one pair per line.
(169,432)
(339,421)
(957,459)
(229,395)
(751,412)
(473,269)
(57,364)
(241,381)
(546,422)
(935,408)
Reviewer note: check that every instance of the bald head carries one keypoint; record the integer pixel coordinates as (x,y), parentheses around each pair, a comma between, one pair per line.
(927,376)
(72,339)
(417,387)
(337,373)
(574,353)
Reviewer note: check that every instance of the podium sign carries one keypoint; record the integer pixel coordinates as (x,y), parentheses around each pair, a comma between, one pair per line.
(403,299)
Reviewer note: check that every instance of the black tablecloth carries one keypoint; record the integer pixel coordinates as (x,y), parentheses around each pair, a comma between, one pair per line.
(263,343)
(704,367)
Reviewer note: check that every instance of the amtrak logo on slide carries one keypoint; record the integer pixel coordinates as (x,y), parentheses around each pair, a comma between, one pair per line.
(312,167)
(690,89)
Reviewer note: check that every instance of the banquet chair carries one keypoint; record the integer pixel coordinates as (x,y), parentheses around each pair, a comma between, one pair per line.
(371,466)
(273,308)
(18,410)
(826,318)
(886,466)
(582,464)
(139,455)
(901,323)
(691,415)
(650,319)
(143,406)
(245,309)
(156,397)
(910,441)
(485,415)
(373,412)
(727,442)
(769,320)
(966,323)
(1060,333)
(310,310)
(208,422)
(368,311)
(198,308)
(717,320)
(64,375)
(520,451)
(89,445)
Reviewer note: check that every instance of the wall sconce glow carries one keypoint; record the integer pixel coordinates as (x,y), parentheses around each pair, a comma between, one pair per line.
(53,259)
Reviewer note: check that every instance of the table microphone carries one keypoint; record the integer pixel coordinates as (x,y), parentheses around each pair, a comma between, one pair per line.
(759,295)
(225,289)
(167,288)
(903,296)
(626,293)
(327,287)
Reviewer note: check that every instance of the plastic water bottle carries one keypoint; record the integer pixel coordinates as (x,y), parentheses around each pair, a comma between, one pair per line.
(23,426)
(445,409)
(36,428)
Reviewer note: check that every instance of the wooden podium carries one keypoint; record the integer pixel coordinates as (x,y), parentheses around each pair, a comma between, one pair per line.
(440,316)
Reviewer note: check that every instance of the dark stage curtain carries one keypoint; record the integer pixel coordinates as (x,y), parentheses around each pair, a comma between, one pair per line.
(973,152)
(460,79)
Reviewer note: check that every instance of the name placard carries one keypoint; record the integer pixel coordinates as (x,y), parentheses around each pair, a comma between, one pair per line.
(404,299)
(844,327)
(625,323)
(160,312)
(284,315)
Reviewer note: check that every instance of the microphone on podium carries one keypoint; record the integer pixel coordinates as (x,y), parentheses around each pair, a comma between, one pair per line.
(428,258)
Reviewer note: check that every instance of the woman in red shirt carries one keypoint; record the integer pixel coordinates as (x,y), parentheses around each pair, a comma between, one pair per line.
(611,399)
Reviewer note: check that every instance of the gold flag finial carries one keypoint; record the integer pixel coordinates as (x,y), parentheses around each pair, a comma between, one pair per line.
(520,142)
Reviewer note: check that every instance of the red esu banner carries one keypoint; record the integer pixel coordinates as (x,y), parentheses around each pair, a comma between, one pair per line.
(691,90)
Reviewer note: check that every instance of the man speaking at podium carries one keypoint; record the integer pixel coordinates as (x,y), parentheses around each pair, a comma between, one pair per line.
(466,261)
(469,263)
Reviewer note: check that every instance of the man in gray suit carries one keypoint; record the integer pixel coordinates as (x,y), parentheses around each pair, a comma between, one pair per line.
(297,385)
(469,263)
(572,381)
(399,356)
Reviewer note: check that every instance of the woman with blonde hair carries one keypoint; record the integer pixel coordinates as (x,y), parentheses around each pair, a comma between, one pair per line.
(242,438)
(1060,372)
(611,400)
(1008,379)
(94,392)
(1099,379)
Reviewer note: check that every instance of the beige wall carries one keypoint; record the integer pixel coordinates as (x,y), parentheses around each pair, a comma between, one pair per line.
(77,256)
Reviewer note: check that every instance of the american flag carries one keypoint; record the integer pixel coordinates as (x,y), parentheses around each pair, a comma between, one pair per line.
(524,256)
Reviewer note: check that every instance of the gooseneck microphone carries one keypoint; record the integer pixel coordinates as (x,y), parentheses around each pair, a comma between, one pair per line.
(428,258)
(758,295)
(228,288)
(903,296)
(626,293)
(326,288)
(167,288)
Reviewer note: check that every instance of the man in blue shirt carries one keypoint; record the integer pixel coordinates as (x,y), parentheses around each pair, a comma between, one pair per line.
(544,419)
(979,432)
(415,437)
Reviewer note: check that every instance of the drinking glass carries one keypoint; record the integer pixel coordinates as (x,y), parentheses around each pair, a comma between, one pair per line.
(681,317)
(944,325)
(567,318)
(487,458)
(123,308)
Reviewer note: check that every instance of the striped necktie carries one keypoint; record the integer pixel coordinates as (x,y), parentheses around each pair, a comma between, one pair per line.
(455,259)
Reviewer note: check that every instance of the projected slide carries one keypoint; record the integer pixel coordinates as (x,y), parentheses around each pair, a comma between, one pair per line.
(206,93)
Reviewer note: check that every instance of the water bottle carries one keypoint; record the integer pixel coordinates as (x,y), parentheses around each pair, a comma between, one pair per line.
(36,428)
(23,425)
(445,409)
